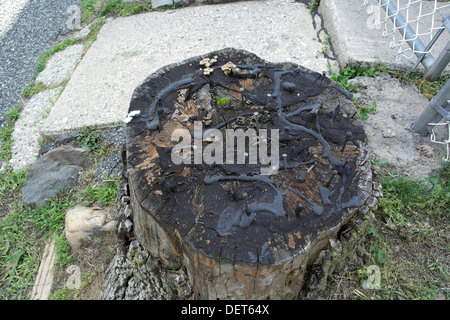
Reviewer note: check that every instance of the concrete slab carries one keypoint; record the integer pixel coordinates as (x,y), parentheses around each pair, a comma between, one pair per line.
(356,39)
(127,50)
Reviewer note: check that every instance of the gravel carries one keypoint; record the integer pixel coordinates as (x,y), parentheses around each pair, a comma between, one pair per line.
(35,30)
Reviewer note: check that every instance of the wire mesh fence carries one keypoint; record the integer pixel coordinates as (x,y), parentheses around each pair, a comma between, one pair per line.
(411,24)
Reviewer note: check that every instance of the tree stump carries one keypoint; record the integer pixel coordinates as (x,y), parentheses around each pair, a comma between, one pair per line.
(241,226)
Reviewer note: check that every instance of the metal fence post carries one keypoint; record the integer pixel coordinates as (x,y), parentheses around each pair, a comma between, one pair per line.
(437,108)
(410,36)
(444,58)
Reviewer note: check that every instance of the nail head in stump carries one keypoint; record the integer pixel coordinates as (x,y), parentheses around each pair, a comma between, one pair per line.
(239,233)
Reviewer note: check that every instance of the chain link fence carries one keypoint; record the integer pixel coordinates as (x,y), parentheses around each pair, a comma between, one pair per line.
(409,23)
(415,26)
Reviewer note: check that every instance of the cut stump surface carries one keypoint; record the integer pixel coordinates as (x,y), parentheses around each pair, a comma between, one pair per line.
(243,227)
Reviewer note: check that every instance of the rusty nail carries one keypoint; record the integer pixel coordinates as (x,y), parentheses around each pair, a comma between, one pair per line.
(256,114)
(285,160)
(246,204)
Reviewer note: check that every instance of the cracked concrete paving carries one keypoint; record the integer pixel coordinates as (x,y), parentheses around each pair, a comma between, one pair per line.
(128,50)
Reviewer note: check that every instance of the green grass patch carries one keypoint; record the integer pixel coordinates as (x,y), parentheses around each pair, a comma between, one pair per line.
(21,231)
(6,133)
(407,243)
(427,88)
(313,5)
(103,194)
(404,197)
(42,60)
(353,71)
(222,101)
(118,8)
(365,111)
(33,88)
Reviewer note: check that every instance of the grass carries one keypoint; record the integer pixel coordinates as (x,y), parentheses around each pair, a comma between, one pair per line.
(352,71)
(92,139)
(24,231)
(119,8)
(313,5)
(429,89)
(103,194)
(364,111)
(222,101)
(408,243)
(42,61)
(6,133)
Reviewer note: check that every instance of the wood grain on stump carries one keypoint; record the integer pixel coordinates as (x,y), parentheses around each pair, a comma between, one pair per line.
(239,229)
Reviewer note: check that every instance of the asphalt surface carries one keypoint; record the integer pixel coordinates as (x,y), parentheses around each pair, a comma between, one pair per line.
(34,31)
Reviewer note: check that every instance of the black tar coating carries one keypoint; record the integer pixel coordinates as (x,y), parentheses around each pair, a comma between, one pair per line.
(240,228)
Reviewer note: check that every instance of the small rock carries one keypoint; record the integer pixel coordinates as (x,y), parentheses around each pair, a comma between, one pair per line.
(83,224)
(45,179)
(69,155)
(84,32)
(388,133)
(160,3)
(125,226)
(58,170)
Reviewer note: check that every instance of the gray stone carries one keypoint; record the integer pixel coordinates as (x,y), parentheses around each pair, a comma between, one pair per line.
(115,137)
(160,3)
(68,155)
(82,33)
(45,179)
(57,171)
